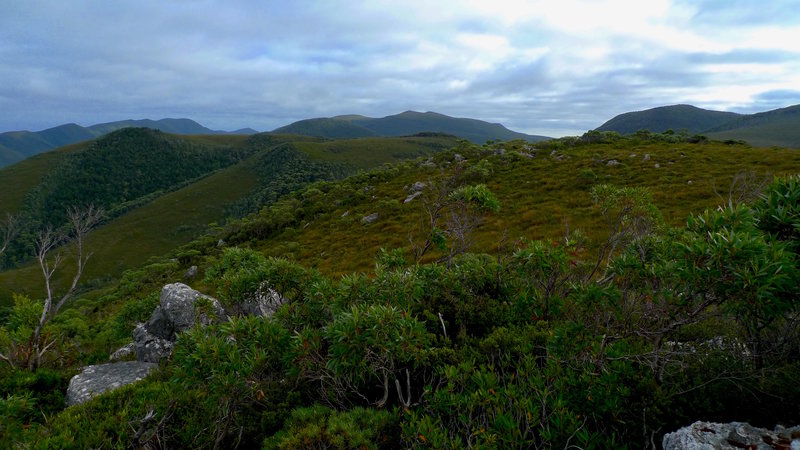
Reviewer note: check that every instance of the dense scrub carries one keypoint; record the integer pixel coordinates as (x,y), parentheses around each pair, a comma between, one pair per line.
(546,346)
(606,342)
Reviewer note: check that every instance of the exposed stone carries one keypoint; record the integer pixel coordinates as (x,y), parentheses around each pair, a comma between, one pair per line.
(458,158)
(95,380)
(656,165)
(612,162)
(123,352)
(180,308)
(183,306)
(646,157)
(689,182)
(346,213)
(734,435)
(190,273)
(149,347)
(220,243)
(265,303)
(370,218)
(412,196)
(417,186)
(499,151)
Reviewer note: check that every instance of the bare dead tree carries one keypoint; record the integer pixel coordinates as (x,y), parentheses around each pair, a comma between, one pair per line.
(8,230)
(80,222)
(746,187)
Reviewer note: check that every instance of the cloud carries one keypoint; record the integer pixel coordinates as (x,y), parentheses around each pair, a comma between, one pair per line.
(538,66)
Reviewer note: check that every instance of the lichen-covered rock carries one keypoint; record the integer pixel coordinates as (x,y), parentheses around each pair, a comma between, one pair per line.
(190,273)
(183,307)
(149,347)
(179,309)
(417,186)
(123,352)
(369,218)
(734,435)
(265,303)
(412,196)
(95,380)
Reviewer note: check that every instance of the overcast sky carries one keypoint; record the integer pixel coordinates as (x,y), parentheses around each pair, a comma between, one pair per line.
(543,67)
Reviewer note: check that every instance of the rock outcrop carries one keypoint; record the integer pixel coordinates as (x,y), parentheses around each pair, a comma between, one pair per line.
(265,303)
(123,352)
(369,218)
(180,307)
(734,435)
(94,380)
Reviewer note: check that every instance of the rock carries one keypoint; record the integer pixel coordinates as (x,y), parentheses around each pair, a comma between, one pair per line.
(417,186)
(95,380)
(190,273)
(266,302)
(179,309)
(633,155)
(499,151)
(734,435)
(646,157)
(657,165)
(369,219)
(183,307)
(149,347)
(123,352)
(220,243)
(612,162)
(346,213)
(689,182)
(458,158)
(412,196)
(527,155)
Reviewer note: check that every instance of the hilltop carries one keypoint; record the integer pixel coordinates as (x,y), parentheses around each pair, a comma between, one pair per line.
(406,123)
(771,128)
(18,145)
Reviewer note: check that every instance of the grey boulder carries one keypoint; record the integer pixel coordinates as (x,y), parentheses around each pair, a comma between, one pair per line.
(95,380)
(180,308)
(734,435)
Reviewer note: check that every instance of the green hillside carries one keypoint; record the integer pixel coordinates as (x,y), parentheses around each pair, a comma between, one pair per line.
(329,128)
(166,212)
(676,117)
(405,124)
(569,286)
(778,128)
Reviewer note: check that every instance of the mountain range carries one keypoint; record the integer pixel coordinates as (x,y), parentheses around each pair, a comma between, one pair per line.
(775,128)
(404,124)
(18,145)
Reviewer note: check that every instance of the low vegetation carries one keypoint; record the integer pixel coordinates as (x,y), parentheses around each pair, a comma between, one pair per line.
(579,292)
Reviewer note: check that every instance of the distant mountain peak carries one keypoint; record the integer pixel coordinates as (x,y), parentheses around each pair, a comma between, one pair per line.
(779,127)
(405,123)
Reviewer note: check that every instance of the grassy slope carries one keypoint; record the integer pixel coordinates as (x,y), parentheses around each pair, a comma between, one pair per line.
(153,229)
(178,217)
(538,197)
(364,153)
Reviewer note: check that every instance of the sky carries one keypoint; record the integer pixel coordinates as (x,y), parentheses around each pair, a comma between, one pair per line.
(543,67)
